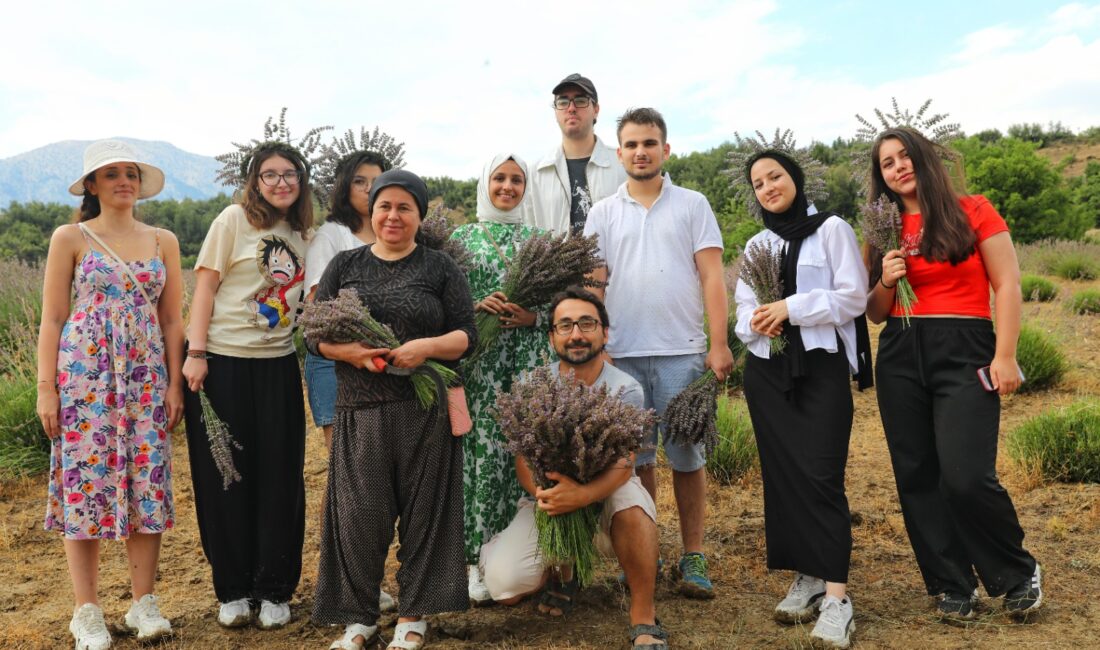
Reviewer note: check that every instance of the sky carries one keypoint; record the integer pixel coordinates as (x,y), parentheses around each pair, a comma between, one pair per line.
(461,81)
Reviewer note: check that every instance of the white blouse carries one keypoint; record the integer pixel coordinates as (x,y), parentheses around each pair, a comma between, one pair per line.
(832,291)
(331,238)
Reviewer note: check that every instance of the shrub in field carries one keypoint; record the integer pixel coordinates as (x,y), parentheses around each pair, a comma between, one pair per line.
(1086,302)
(1061,444)
(24,448)
(1038,288)
(1076,266)
(1041,360)
(735,454)
(1045,256)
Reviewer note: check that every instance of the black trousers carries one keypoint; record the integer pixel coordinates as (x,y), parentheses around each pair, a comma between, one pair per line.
(803,446)
(941,427)
(252,533)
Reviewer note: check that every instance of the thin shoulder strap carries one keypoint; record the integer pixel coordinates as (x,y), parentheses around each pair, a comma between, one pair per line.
(494,243)
(125,267)
(156,235)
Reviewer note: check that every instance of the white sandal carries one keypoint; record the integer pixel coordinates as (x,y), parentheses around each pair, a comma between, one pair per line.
(347,642)
(401,633)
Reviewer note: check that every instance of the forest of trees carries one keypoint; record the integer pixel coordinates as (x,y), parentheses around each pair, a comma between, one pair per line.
(1033,194)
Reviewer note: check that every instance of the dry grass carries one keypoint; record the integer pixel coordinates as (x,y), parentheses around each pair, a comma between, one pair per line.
(1062,523)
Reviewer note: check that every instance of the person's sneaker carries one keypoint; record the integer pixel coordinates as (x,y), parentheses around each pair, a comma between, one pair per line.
(235,613)
(802,599)
(475,587)
(957,607)
(386,603)
(145,620)
(1024,599)
(89,629)
(273,615)
(834,625)
(693,581)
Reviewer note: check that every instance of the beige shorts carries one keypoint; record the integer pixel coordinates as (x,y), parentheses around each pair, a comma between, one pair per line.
(511,564)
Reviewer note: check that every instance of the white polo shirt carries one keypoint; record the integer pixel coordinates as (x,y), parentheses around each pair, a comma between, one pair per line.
(653,296)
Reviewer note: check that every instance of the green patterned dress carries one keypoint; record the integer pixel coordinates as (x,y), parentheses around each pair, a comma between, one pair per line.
(490,487)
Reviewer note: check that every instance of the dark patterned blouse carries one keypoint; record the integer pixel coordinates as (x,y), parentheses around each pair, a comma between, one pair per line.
(421,295)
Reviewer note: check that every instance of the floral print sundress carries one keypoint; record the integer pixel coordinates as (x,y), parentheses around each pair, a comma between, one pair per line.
(111,468)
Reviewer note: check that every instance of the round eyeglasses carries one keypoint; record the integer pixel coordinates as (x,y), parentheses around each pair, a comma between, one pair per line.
(271,179)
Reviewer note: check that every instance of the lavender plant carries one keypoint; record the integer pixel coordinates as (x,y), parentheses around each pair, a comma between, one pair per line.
(332,154)
(235,163)
(784,143)
(690,417)
(221,442)
(562,425)
(435,232)
(345,319)
(761,269)
(881,225)
(935,127)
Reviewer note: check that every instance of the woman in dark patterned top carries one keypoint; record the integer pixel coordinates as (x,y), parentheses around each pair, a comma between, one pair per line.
(392,459)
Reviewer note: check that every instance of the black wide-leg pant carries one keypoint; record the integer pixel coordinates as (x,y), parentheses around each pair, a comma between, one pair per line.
(252,533)
(803,444)
(941,427)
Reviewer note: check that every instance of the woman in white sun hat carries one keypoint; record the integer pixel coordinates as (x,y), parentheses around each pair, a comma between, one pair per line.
(110,385)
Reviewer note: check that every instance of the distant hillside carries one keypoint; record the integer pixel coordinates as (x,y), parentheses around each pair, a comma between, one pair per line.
(44,174)
(1082,153)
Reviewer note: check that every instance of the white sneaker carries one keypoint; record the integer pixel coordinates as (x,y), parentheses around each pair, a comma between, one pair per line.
(145,619)
(834,626)
(802,599)
(386,603)
(89,628)
(235,613)
(273,615)
(478,592)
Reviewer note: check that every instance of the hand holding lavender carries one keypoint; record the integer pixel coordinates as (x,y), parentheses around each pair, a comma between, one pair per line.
(691,416)
(761,269)
(881,226)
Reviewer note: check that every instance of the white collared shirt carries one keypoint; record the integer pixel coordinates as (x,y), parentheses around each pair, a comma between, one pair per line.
(832,291)
(551,195)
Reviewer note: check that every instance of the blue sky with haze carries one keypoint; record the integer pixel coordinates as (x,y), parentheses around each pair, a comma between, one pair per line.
(460,81)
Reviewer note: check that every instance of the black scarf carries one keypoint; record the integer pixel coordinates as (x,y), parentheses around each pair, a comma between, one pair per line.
(794,225)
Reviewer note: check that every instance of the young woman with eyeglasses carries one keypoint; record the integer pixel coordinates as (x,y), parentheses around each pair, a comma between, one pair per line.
(249,284)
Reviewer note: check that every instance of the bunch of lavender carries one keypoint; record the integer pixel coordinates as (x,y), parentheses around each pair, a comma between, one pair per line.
(435,232)
(561,425)
(345,319)
(761,269)
(881,225)
(221,441)
(691,416)
(544,265)
(235,164)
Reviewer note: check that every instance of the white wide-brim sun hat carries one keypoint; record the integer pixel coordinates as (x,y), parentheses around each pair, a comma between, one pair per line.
(108,152)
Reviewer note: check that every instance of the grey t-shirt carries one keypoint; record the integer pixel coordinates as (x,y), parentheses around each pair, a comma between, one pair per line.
(614,379)
(581,200)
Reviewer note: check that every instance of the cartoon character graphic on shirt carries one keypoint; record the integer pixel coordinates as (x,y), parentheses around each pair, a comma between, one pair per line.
(283,269)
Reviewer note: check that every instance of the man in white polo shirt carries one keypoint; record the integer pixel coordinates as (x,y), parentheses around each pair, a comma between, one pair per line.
(663,254)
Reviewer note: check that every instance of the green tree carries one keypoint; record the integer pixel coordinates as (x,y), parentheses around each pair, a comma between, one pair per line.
(456,194)
(1087,193)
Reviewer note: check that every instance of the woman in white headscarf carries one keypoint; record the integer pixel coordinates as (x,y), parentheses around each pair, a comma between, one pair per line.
(490,486)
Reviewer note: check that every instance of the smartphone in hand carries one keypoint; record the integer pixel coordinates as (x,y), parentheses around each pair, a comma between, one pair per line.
(987,381)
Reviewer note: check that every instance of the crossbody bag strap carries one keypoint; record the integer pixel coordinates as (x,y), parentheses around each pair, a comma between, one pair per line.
(492,241)
(124,265)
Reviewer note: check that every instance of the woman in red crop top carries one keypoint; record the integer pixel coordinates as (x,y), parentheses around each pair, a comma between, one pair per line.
(941,424)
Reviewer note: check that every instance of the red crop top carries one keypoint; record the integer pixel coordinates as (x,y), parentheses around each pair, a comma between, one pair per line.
(959,290)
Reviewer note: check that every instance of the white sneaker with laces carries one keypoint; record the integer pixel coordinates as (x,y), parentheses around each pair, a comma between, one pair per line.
(145,620)
(802,599)
(478,592)
(834,625)
(89,628)
(273,615)
(235,613)
(386,602)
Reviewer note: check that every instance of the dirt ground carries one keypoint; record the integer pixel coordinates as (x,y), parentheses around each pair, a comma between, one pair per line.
(1062,523)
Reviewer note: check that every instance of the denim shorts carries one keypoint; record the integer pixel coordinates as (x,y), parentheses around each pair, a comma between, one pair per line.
(321,384)
(662,378)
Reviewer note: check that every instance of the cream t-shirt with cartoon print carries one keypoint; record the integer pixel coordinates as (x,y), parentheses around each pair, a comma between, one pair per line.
(262,285)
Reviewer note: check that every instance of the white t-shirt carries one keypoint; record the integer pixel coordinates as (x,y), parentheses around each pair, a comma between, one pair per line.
(330,239)
(653,296)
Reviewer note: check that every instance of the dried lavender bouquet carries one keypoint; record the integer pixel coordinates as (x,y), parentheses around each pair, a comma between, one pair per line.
(881,225)
(435,232)
(544,265)
(345,319)
(221,442)
(761,269)
(561,425)
(691,416)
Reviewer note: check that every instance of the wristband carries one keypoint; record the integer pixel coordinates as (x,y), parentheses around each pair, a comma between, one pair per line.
(886,286)
(197,354)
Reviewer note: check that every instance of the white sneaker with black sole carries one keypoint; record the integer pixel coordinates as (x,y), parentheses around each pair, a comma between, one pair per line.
(834,625)
(89,629)
(145,620)
(801,601)
(273,615)
(235,613)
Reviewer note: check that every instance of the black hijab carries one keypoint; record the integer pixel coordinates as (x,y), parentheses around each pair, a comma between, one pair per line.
(794,225)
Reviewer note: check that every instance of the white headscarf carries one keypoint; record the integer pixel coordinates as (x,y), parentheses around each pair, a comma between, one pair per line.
(486,211)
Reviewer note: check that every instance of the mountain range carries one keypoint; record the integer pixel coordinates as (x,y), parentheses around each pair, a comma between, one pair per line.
(44,174)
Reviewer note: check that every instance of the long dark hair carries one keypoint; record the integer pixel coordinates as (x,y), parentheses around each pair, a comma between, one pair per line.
(262,214)
(89,206)
(948,236)
(340,209)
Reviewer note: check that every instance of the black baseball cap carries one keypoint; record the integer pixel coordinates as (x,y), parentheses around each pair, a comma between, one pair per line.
(580,81)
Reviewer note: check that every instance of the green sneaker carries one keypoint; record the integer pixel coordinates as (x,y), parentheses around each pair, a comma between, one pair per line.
(693,581)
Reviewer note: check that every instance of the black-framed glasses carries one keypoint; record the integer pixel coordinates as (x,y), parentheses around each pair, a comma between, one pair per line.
(580,101)
(565,327)
(271,179)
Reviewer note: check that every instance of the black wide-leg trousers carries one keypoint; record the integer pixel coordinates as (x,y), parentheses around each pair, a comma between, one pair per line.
(941,427)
